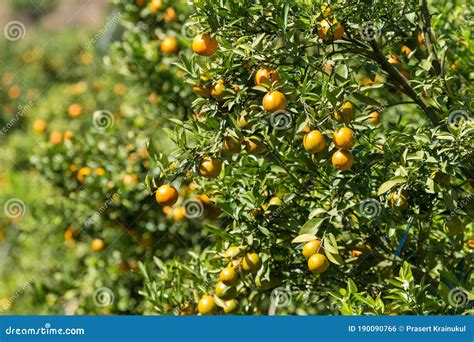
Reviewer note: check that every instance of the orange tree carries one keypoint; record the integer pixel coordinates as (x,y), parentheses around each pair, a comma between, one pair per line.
(336,139)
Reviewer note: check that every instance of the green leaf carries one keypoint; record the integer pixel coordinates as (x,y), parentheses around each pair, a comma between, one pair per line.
(312,226)
(390,184)
(304,238)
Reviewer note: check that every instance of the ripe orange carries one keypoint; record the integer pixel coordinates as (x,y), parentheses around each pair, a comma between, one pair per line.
(330,30)
(225,292)
(74,110)
(55,137)
(169,45)
(266,75)
(393,59)
(231,144)
(406,50)
(254,145)
(206,305)
(14,92)
(228,276)
(39,126)
(218,90)
(346,113)
(68,136)
(374,118)
(274,101)
(210,167)
(97,245)
(100,171)
(421,39)
(166,209)
(318,263)
(155,5)
(202,91)
(314,141)
(344,138)
(167,195)
(179,214)
(204,45)
(230,305)
(169,15)
(342,160)
(83,171)
(310,248)
(251,262)
(129,179)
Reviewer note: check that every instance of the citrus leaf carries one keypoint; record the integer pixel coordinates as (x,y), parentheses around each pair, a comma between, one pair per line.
(390,184)
(304,238)
(312,226)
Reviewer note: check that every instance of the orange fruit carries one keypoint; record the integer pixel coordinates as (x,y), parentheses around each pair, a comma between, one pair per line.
(140,3)
(39,126)
(330,30)
(97,245)
(310,248)
(251,262)
(166,209)
(230,305)
(218,90)
(210,167)
(342,160)
(166,195)
(100,171)
(274,101)
(179,214)
(406,50)
(231,144)
(346,113)
(254,145)
(14,92)
(84,171)
(169,15)
(120,89)
(318,263)
(266,75)
(374,118)
(169,45)
(225,292)
(421,39)
(204,45)
(206,305)
(202,91)
(155,5)
(393,59)
(314,141)
(129,179)
(68,136)
(344,138)
(74,110)
(229,276)
(55,137)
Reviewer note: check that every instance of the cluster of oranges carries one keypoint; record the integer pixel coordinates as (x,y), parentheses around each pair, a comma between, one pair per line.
(344,139)
(317,262)
(226,288)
